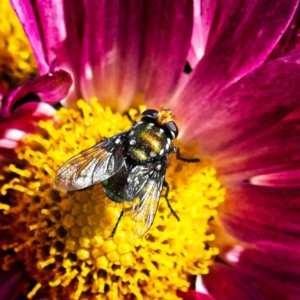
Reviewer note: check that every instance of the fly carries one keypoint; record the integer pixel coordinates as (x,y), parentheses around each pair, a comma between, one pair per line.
(129,165)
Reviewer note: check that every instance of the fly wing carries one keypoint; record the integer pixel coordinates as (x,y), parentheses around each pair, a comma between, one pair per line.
(136,179)
(144,213)
(91,166)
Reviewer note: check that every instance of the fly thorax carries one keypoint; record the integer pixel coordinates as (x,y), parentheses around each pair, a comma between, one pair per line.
(147,142)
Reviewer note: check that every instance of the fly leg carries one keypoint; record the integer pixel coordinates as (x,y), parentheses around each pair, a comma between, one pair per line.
(178,156)
(117,224)
(166,185)
(129,117)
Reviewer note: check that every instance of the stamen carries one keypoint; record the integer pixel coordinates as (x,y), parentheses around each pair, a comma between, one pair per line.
(34,291)
(4,206)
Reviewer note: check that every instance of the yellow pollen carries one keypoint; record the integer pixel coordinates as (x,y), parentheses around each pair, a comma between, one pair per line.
(64,238)
(4,206)
(17,63)
(164,116)
(34,291)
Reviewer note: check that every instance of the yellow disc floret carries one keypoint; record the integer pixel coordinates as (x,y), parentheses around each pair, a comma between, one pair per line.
(64,239)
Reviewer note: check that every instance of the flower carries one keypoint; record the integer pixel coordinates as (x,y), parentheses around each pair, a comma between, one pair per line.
(234,104)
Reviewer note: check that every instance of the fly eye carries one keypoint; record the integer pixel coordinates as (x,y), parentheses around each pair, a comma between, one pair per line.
(173,128)
(152,113)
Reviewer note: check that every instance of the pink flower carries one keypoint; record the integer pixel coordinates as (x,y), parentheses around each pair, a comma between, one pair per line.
(234,103)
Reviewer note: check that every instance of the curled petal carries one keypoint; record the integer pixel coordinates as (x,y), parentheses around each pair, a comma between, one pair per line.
(23,121)
(51,88)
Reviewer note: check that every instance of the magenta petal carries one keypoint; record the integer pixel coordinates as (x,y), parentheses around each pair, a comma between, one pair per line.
(111,50)
(241,111)
(274,150)
(34,110)
(7,144)
(226,283)
(54,29)
(255,213)
(166,33)
(209,19)
(132,47)
(25,120)
(25,10)
(287,178)
(273,266)
(194,295)
(249,34)
(51,88)
(291,38)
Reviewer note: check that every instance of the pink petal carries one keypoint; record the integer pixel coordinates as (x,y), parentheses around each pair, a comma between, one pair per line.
(132,48)
(7,143)
(55,31)
(288,178)
(37,110)
(23,121)
(241,111)
(246,38)
(255,213)
(209,21)
(50,26)
(226,283)
(272,266)
(193,295)
(199,37)
(51,88)
(25,10)
(291,38)
(166,32)
(274,150)
(111,50)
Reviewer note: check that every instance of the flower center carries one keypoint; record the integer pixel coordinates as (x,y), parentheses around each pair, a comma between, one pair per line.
(64,238)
